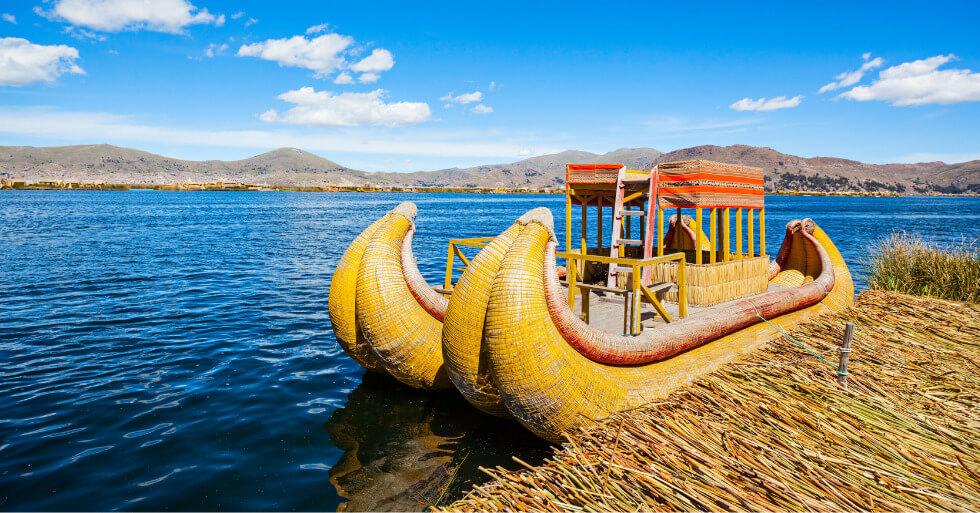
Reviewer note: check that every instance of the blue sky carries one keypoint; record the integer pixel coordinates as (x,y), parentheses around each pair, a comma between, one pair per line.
(393,86)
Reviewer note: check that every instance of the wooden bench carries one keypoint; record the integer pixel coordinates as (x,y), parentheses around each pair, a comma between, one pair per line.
(652,294)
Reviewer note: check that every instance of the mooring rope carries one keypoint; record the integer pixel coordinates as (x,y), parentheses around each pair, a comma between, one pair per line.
(832,366)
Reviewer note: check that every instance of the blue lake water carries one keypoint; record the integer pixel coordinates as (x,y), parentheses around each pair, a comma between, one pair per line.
(172,350)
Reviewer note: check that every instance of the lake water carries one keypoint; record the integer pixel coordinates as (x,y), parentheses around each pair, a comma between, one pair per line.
(172,350)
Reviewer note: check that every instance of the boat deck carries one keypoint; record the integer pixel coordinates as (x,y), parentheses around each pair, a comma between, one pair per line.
(606,312)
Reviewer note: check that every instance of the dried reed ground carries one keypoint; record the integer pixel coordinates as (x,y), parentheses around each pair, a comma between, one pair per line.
(776,432)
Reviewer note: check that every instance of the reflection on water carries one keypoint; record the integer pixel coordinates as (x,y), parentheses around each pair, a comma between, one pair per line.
(405,447)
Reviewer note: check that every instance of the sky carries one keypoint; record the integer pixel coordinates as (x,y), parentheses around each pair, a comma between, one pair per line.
(405,86)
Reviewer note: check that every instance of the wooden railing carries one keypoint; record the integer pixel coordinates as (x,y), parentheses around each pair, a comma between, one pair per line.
(637,289)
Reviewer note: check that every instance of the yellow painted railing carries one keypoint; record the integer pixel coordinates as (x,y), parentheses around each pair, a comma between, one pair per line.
(637,288)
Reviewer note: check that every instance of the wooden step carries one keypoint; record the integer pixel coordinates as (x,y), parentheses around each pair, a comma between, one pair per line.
(632,242)
(632,213)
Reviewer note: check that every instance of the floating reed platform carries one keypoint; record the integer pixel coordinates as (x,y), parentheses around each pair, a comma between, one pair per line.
(776,431)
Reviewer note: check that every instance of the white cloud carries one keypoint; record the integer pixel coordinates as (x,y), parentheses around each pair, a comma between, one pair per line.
(170,16)
(849,78)
(920,83)
(250,22)
(9,18)
(379,60)
(215,49)
(493,85)
(237,15)
(762,104)
(323,108)
(316,29)
(463,98)
(322,54)
(23,63)
(482,109)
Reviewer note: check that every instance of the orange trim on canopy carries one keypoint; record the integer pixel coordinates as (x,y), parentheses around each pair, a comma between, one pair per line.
(711,176)
(706,188)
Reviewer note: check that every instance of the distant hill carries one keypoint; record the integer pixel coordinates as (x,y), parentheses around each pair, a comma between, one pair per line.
(828,174)
(290,166)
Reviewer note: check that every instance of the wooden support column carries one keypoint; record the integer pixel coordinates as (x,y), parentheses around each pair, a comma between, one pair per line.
(682,288)
(585,231)
(449,268)
(727,236)
(762,231)
(751,222)
(713,236)
(660,232)
(698,236)
(570,265)
(738,233)
(627,223)
(599,222)
(677,226)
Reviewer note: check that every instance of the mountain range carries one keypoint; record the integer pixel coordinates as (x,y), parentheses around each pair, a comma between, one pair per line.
(291,166)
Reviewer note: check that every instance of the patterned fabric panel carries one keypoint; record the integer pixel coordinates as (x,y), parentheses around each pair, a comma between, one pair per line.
(592,173)
(706,184)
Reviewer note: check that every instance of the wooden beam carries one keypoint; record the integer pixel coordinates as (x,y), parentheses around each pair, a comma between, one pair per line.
(677,239)
(599,221)
(570,267)
(585,231)
(698,237)
(682,288)
(713,236)
(726,229)
(660,232)
(762,231)
(751,221)
(448,285)
(738,233)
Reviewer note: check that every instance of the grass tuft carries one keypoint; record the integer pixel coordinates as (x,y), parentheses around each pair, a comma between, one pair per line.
(904,263)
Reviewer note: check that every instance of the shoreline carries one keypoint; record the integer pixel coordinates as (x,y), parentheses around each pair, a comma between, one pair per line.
(426,190)
(777,432)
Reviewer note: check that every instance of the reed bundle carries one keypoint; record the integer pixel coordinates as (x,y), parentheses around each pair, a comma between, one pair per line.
(776,431)
(903,262)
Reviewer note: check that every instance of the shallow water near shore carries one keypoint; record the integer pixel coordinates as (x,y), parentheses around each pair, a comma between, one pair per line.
(172,350)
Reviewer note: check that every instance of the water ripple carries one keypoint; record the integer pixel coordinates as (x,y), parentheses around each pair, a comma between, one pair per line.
(173,350)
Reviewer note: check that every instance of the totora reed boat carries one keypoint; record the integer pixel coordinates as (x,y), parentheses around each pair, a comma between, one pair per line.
(638,315)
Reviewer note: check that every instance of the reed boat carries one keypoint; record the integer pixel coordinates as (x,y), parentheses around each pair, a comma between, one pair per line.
(635,319)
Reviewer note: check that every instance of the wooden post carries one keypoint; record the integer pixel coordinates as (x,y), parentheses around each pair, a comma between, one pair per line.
(570,265)
(682,287)
(698,236)
(585,306)
(713,236)
(627,303)
(738,233)
(727,236)
(585,232)
(845,354)
(751,249)
(449,268)
(677,225)
(627,223)
(599,222)
(660,232)
(635,305)
(762,231)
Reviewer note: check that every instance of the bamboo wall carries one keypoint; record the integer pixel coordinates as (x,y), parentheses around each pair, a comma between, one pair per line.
(709,284)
